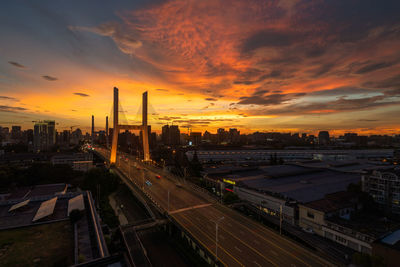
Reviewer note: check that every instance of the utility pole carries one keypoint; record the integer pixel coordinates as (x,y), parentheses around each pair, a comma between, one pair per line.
(280,220)
(168,202)
(220,190)
(216,238)
(143,178)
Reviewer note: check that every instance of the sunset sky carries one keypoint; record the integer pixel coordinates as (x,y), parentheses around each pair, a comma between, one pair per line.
(287,65)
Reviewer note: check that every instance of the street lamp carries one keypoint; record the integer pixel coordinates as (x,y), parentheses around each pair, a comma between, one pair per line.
(168,202)
(280,220)
(216,237)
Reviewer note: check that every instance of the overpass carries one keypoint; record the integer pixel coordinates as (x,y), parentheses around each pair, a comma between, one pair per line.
(241,241)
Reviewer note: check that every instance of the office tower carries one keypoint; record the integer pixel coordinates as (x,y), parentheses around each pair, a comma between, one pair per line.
(44,135)
(323,137)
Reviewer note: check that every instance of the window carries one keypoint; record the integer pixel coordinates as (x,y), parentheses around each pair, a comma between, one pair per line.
(310,215)
(340,239)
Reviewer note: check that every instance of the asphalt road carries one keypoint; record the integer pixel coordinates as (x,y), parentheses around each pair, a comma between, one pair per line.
(241,241)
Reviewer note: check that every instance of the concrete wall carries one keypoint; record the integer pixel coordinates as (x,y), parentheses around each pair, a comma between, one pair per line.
(312,219)
(269,203)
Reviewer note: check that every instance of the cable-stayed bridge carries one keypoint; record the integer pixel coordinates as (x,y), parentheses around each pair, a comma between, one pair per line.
(219,234)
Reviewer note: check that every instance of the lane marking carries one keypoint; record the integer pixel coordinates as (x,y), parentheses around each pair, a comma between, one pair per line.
(238,249)
(206,235)
(256,263)
(191,208)
(247,245)
(272,243)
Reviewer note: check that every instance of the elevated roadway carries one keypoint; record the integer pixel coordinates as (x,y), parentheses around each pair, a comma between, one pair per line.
(241,241)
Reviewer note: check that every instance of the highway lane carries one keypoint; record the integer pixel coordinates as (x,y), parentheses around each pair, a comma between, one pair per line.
(242,242)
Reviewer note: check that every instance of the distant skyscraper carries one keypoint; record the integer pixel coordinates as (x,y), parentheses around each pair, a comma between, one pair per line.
(44,135)
(16,133)
(234,136)
(323,137)
(195,137)
(171,135)
(175,135)
(165,134)
(222,135)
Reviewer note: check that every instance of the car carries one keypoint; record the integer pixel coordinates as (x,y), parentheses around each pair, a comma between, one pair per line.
(158,176)
(148,183)
(308,230)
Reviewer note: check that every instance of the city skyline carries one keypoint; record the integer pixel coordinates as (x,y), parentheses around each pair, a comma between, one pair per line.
(285,66)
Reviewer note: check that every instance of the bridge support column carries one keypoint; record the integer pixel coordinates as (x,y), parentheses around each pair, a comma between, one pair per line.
(114,145)
(92,137)
(145,129)
(107,141)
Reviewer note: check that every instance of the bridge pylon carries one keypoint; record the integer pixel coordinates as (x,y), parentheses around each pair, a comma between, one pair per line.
(144,128)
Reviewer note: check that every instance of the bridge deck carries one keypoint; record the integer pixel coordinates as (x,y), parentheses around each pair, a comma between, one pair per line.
(242,242)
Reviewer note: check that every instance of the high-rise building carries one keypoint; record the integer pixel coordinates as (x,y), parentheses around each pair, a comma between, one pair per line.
(165,134)
(384,187)
(234,136)
(195,138)
(170,135)
(323,137)
(222,135)
(16,133)
(175,135)
(44,135)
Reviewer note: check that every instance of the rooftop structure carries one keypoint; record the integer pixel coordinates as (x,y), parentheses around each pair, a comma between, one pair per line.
(45,209)
(384,186)
(244,155)
(76,203)
(298,183)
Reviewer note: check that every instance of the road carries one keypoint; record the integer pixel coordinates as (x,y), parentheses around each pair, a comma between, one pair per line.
(242,242)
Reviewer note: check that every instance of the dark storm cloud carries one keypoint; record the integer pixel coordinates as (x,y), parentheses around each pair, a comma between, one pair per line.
(2,97)
(269,38)
(81,94)
(257,76)
(392,92)
(200,121)
(168,118)
(340,91)
(323,69)
(49,78)
(346,21)
(272,99)
(11,109)
(315,51)
(210,99)
(391,82)
(340,105)
(16,64)
(162,90)
(260,92)
(374,67)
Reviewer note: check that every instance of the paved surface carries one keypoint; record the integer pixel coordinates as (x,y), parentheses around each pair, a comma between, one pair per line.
(242,242)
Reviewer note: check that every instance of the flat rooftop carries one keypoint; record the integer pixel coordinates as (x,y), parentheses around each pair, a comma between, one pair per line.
(299,183)
(37,191)
(24,215)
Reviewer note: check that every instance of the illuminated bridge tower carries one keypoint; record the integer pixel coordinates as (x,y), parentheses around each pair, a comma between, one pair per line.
(117,127)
